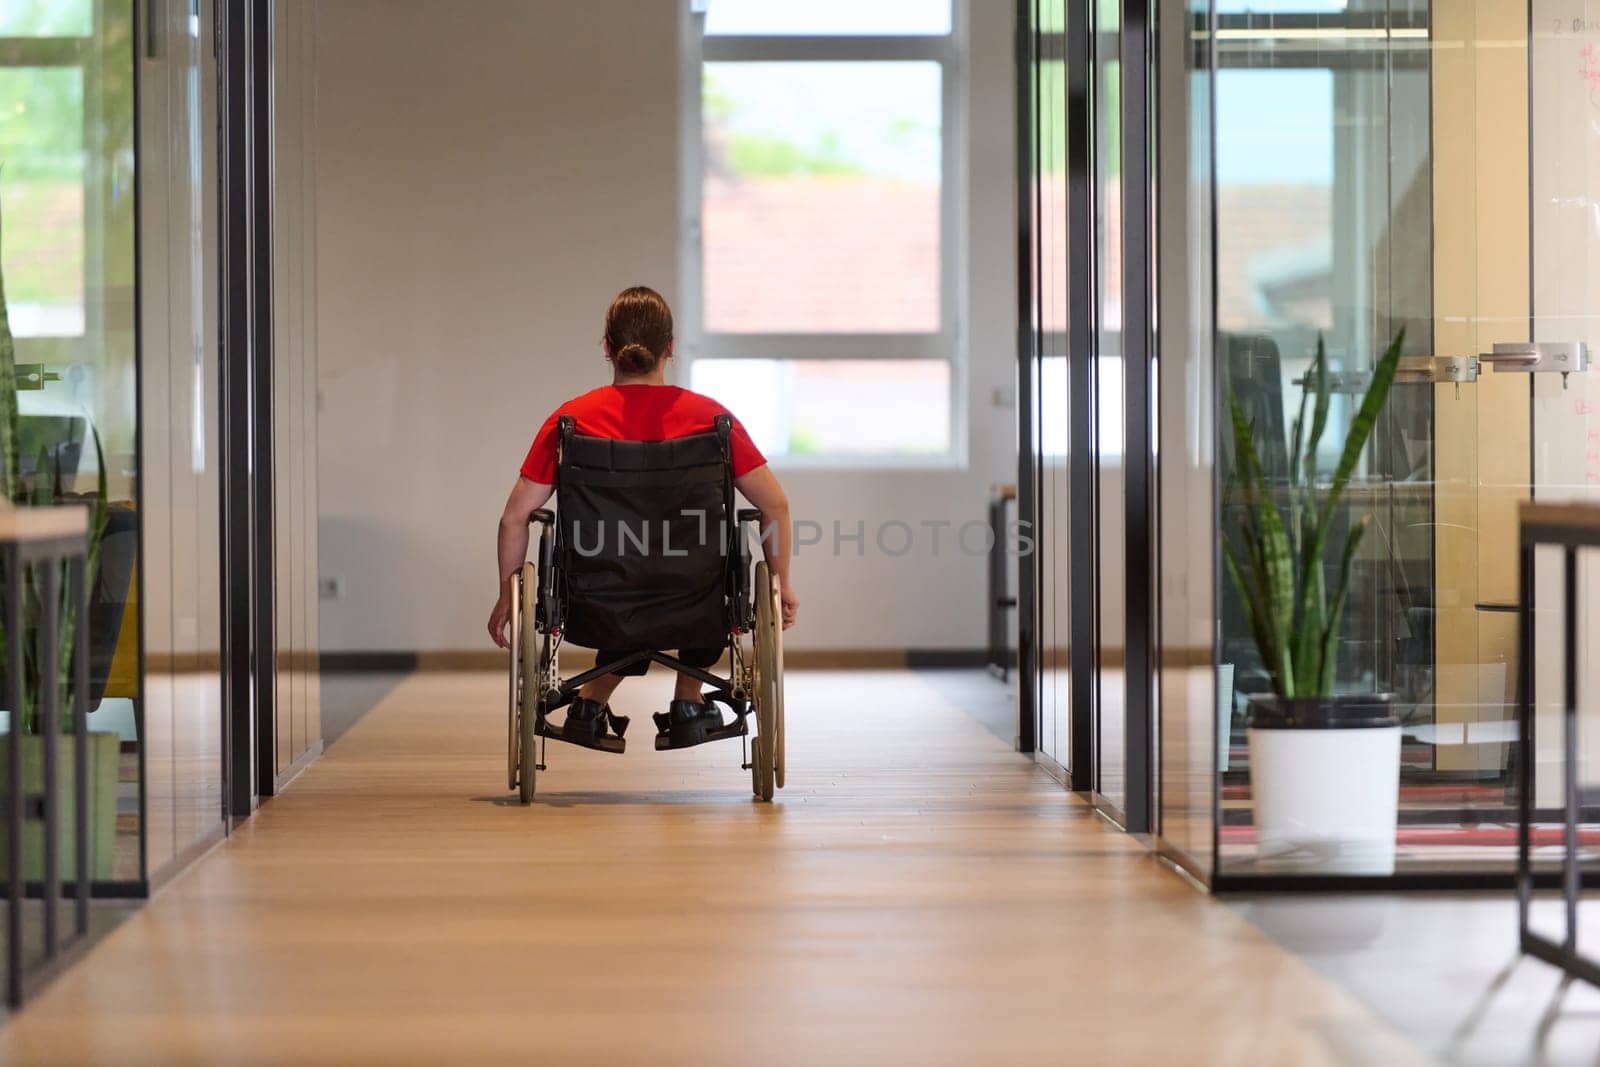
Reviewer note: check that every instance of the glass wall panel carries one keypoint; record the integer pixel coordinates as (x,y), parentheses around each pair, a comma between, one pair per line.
(1189,687)
(1334,176)
(297,694)
(1324,184)
(1048,387)
(180,396)
(1055,549)
(1565,412)
(1441,182)
(1109,407)
(66,195)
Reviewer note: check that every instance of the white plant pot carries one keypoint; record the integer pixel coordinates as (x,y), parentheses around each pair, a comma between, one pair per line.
(1326,795)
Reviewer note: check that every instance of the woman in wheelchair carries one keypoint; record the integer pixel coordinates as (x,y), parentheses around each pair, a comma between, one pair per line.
(639,406)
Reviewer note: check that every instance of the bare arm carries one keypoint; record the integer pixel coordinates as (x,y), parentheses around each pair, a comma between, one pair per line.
(761,488)
(512,548)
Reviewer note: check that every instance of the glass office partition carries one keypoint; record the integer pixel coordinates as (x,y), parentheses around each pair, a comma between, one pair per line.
(1109,406)
(1373,168)
(296,698)
(1052,417)
(1563,432)
(1324,218)
(67,200)
(1330,176)
(179,401)
(1189,690)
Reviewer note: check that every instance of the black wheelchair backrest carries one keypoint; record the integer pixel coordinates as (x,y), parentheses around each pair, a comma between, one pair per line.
(643,536)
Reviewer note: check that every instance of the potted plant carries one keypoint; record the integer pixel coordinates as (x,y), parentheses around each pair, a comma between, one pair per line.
(46,488)
(1324,766)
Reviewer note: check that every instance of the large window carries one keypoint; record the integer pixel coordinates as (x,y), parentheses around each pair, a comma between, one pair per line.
(821,274)
(66,215)
(67,261)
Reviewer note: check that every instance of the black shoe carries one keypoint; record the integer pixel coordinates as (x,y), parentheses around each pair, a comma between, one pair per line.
(688,722)
(586,721)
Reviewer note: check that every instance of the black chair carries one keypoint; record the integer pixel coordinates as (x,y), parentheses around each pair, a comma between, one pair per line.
(648,553)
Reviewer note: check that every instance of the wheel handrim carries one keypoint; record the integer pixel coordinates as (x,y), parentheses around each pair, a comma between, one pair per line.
(776,685)
(768,682)
(514,698)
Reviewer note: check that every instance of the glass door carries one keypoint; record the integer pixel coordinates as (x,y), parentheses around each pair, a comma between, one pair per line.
(1564,414)
(1109,408)
(1443,183)
(1056,361)
(1052,420)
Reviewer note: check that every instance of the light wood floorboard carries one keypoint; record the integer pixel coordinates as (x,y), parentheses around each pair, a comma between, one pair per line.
(919,894)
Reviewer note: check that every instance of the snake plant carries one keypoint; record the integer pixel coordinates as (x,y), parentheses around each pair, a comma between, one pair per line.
(44,489)
(1276,554)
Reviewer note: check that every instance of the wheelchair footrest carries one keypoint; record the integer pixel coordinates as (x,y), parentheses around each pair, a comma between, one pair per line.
(614,745)
(733,729)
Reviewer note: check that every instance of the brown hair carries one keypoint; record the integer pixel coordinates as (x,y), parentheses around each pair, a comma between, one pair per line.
(638,330)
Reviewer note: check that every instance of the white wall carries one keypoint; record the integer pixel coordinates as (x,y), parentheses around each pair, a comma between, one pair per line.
(490,172)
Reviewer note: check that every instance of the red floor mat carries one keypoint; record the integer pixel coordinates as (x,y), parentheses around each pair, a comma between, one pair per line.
(1486,836)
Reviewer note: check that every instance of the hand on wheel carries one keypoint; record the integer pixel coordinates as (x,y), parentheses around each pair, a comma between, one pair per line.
(791,606)
(500,621)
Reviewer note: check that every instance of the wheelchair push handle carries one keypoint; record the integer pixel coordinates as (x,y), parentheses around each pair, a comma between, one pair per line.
(544,516)
(749,515)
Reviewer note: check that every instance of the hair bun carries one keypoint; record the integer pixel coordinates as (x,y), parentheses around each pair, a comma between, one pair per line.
(635,358)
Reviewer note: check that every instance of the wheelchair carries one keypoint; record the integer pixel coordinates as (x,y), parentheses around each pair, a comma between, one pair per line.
(648,553)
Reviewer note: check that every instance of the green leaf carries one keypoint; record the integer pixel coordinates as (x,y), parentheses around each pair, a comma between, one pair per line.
(1245,460)
(1362,425)
(1270,547)
(1255,611)
(1330,633)
(1296,436)
(1269,553)
(1296,527)
(99,516)
(10,433)
(1317,380)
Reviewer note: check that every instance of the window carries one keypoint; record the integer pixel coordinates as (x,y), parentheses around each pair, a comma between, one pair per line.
(819,254)
(42,190)
(46,18)
(67,224)
(828,17)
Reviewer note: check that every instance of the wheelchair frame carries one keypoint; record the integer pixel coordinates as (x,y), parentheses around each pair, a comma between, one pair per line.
(754,686)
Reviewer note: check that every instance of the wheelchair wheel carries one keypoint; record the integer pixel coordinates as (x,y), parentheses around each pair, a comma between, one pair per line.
(514,690)
(531,652)
(768,749)
(760,771)
(529,771)
(775,669)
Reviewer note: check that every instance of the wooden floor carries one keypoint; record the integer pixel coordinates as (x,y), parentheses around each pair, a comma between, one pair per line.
(919,894)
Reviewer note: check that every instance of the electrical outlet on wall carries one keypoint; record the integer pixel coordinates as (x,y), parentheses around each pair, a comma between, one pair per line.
(331,588)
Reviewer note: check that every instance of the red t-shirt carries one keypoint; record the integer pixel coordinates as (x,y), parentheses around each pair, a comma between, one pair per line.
(638,413)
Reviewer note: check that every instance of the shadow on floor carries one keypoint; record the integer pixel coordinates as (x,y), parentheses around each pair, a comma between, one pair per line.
(989,701)
(1444,970)
(347,696)
(614,799)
